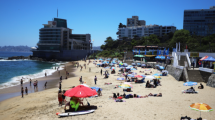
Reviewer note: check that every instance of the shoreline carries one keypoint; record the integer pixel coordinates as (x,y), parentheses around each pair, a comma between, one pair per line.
(52,82)
(171,106)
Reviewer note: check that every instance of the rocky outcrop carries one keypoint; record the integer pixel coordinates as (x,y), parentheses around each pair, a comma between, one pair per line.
(17,57)
(211,81)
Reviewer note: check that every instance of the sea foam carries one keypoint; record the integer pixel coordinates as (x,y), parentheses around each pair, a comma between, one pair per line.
(16,80)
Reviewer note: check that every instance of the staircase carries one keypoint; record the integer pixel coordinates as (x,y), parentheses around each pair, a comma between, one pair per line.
(181,61)
(195,76)
(129,55)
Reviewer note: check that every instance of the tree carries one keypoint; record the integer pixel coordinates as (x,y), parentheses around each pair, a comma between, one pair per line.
(154,39)
(180,36)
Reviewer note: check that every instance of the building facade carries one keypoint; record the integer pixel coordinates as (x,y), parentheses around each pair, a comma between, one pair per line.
(200,22)
(134,21)
(55,39)
(142,31)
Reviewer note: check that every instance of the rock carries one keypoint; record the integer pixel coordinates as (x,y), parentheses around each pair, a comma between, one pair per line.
(211,81)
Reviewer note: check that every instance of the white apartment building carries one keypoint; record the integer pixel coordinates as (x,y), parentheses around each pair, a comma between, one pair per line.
(143,30)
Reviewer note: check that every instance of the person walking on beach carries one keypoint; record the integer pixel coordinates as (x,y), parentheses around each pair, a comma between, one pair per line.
(95,79)
(60,86)
(30,82)
(101,71)
(45,84)
(26,90)
(80,80)
(22,91)
(60,77)
(45,74)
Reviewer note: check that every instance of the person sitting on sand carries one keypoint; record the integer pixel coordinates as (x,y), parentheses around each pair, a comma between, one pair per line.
(99,92)
(107,83)
(114,96)
(191,89)
(201,86)
(156,95)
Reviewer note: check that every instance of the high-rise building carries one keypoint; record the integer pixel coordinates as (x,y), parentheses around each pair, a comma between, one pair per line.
(56,41)
(200,22)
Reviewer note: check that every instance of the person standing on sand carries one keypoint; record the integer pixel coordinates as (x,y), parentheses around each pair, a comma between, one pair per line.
(30,82)
(35,85)
(26,90)
(80,80)
(45,74)
(45,84)
(21,82)
(95,79)
(60,86)
(101,71)
(60,98)
(22,91)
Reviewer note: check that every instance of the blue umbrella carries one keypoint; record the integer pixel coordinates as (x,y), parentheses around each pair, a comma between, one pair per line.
(100,59)
(143,75)
(98,64)
(161,67)
(190,83)
(143,65)
(107,67)
(133,69)
(121,78)
(96,88)
(121,67)
(156,74)
(159,52)
(130,66)
(167,53)
(210,59)
(164,52)
(130,75)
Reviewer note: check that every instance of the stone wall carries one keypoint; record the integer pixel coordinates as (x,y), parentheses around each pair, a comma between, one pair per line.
(205,76)
(175,72)
(211,81)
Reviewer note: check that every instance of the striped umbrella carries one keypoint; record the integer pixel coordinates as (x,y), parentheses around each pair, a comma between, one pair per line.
(201,107)
(128,84)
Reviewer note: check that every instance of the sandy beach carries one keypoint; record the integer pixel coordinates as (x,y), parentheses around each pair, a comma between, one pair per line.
(172,105)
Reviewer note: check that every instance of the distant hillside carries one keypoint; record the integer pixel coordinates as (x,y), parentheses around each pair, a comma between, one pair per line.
(97,48)
(15,48)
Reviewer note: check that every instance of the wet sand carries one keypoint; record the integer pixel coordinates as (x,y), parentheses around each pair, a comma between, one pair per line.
(52,82)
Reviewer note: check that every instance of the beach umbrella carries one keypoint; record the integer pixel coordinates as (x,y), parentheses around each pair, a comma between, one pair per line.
(100,59)
(150,77)
(133,69)
(143,65)
(80,91)
(96,88)
(120,78)
(164,51)
(138,76)
(130,66)
(143,75)
(98,64)
(107,67)
(121,67)
(125,86)
(113,68)
(128,84)
(203,58)
(156,74)
(210,59)
(161,67)
(130,75)
(120,63)
(133,64)
(202,107)
(133,73)
(127,68)
(158,77)
(190,83)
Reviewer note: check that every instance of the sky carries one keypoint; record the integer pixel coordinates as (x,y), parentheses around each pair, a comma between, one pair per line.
(20,20)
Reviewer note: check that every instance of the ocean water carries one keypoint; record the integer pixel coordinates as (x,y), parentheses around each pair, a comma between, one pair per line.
(12,71)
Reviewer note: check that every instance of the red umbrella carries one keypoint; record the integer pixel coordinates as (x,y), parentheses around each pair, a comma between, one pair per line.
(204,58)
(80,91)
(139,76)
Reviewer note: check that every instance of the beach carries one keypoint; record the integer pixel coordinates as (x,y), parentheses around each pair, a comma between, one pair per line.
(172,105)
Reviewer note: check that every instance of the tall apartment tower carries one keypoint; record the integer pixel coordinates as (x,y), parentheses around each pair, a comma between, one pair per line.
(200,22)
(134,21)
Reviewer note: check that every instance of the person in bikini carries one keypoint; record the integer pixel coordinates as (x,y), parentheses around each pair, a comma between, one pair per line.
(60,98)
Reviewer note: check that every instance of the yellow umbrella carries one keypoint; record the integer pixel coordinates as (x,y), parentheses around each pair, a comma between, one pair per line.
(125,86)
(158,77)
(201,107)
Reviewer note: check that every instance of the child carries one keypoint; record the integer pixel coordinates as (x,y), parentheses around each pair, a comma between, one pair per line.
(26,90)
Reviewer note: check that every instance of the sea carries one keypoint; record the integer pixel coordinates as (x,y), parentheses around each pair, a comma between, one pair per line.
(12,71)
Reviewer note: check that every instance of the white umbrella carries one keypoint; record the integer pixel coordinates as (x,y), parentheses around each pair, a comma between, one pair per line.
(150,77)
